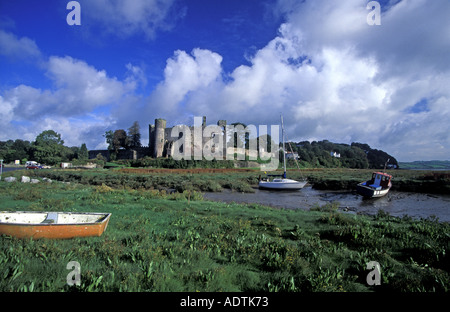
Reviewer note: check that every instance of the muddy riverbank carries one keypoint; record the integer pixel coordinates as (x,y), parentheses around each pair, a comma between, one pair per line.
(415,205)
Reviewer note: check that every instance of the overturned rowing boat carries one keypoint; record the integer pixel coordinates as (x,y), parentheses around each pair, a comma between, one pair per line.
(24,224)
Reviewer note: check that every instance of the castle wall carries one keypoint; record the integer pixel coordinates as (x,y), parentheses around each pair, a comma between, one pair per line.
(135,153)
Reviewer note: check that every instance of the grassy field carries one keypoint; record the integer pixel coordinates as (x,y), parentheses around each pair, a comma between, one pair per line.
(178,242)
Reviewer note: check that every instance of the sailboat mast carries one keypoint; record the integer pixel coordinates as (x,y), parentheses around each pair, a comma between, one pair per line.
(284,150)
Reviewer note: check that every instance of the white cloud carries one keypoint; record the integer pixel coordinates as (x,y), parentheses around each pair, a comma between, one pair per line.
(124,18)
(135,76)
(6,115)
(82,87)
(72,108)
(76,131)
(184,74)
(20,48)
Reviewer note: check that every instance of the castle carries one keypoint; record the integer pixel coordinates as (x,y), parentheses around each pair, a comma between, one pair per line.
(170,142)
(187,141)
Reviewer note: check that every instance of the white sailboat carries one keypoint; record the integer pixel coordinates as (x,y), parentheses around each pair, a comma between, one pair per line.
(282,182)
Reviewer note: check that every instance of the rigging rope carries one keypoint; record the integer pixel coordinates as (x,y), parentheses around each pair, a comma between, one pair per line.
(292,151)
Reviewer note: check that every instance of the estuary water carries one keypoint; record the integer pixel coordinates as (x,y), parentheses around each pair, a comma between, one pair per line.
(415,205)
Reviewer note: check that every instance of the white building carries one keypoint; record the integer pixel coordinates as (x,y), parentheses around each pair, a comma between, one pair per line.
(334,154)
(291,155)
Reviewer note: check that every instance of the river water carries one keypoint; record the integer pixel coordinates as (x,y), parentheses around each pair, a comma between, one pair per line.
(397,204)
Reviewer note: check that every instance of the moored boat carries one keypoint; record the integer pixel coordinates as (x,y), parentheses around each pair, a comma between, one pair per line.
(378,186)
(57,225)
(282,182)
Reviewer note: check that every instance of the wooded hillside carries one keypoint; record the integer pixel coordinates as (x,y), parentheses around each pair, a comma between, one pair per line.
(330,155)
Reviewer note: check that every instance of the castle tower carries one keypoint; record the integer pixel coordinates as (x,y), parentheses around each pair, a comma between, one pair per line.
(159,137)
(222,123)
(151,140)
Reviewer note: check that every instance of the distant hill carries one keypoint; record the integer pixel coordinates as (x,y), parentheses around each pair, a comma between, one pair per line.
(432,164)
(331,155)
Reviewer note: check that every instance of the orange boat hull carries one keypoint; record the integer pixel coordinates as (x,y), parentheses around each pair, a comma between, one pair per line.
(54,231)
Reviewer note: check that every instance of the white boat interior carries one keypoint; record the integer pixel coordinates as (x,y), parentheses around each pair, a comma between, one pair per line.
(22,217)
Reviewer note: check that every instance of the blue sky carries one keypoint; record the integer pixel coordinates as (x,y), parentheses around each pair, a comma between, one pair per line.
(319,63)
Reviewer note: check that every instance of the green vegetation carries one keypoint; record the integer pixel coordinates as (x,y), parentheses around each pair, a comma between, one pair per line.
(170,163)
(159,180)
(243,180)
(157,241)
(356,156)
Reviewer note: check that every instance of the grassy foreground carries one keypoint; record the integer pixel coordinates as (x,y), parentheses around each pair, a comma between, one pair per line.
(179,242)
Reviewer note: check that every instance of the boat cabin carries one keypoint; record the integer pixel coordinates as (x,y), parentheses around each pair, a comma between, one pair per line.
(379,180)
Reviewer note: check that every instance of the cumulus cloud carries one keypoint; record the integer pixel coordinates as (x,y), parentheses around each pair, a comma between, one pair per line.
(124,18)
(7,111)
(184,75)
(81,86)
(18,48)
(79,89)
(76,101)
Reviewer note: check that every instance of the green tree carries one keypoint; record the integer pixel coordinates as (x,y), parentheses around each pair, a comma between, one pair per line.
(120,139)
(14,150)
(376,158)
(48,148)
(21,148)
(83,153)
(134,135)
(109,136)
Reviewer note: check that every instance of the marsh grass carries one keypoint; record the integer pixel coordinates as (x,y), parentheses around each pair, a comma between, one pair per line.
(161,241)
(246,180)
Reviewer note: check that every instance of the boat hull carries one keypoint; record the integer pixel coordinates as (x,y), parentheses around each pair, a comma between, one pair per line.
(95,224)
(371,192)
(284,184)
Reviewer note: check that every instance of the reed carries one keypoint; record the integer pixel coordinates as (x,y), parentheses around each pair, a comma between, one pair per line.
(243,180)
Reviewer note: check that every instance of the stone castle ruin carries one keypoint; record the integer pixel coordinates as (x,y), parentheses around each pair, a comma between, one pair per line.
(175,141)
(187,142)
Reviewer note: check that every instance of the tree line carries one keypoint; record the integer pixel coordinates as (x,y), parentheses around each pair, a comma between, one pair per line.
(326,154)
(48,148)
(121,139)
